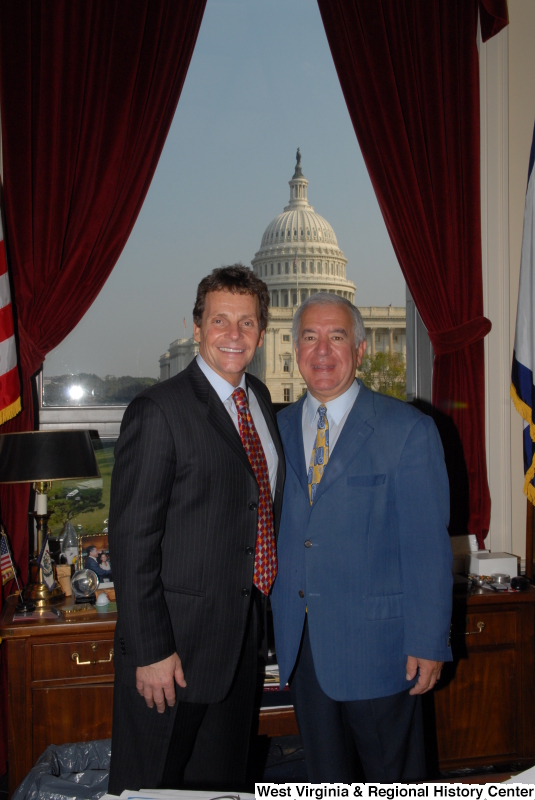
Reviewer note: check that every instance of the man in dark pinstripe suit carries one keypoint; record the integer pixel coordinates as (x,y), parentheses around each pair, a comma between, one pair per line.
(183,534)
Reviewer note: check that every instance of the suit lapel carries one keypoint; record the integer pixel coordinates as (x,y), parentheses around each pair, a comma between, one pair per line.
(216,413)
(293,441)
(353,436)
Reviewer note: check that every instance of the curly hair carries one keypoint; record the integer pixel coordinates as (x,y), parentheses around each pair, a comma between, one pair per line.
(237,279)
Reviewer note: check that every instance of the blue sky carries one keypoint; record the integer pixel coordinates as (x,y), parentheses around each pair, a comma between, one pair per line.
(261,83)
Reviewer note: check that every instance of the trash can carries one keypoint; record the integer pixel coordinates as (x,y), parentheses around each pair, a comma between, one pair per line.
(68,772)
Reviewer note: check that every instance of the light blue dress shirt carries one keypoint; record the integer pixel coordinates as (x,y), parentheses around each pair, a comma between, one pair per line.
(337,413)
(224,390)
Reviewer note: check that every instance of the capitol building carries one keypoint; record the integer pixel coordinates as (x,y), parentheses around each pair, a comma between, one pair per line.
(298,256)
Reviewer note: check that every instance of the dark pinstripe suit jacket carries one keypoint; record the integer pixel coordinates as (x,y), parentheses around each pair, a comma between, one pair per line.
(183,521)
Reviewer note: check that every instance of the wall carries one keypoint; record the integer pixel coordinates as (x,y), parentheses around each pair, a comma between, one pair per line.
(521,63)
(507,71)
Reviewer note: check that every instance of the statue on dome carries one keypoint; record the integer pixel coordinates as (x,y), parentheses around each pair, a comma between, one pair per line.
(298,157)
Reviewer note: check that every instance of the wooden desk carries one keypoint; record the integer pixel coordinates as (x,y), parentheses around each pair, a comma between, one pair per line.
(484,703)
(53,700)
(483,706)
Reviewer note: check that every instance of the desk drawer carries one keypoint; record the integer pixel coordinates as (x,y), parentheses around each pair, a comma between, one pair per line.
(477,628)
(69,660)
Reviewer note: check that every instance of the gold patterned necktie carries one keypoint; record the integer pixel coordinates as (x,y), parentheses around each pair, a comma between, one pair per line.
(320,454)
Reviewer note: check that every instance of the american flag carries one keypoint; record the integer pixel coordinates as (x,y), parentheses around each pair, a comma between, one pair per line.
(9,376)
(6,565)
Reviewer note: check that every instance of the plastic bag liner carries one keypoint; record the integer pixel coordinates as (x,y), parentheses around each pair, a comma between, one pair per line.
(67,772)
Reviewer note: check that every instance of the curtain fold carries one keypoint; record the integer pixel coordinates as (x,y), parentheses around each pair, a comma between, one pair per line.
(410,77)
(88,90)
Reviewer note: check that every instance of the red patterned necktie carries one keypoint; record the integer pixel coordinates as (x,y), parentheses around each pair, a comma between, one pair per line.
(265,561)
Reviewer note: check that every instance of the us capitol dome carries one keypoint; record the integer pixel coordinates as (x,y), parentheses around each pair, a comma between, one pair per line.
(298,256)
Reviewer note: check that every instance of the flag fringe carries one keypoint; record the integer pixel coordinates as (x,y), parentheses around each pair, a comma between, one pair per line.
(525,412)
(10,411)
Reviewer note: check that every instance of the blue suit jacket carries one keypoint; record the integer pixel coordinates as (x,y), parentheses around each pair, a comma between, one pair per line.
(376,578)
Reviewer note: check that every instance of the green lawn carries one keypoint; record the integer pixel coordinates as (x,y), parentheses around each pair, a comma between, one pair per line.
(91,521)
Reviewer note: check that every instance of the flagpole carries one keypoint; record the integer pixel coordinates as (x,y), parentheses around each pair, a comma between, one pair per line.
(529,540)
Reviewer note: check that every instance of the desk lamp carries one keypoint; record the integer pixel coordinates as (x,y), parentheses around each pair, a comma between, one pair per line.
(40,457)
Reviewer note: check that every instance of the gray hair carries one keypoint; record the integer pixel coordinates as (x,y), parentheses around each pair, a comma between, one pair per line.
(326,299)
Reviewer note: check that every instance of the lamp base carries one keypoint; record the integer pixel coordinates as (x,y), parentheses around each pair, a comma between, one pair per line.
(42,596)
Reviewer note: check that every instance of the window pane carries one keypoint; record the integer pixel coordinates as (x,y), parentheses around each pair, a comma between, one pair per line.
(85,503)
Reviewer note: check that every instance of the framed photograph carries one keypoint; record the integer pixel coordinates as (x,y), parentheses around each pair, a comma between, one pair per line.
(96,556)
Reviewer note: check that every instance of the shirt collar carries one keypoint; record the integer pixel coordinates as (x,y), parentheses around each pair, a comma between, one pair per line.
(222,388)
(335,408)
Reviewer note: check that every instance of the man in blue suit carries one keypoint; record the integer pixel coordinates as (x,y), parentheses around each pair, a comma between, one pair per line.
(362,600)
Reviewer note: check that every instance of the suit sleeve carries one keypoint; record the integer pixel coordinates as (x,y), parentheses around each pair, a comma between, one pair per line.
(422,503)
(142,480)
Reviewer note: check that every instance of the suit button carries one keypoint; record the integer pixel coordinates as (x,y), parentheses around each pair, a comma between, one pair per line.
(253,506)
(308,543)
(246,592)
(301,593)
(249,551)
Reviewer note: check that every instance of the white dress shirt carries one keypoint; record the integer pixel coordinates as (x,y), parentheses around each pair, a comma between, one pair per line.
(224,391)
(337,413)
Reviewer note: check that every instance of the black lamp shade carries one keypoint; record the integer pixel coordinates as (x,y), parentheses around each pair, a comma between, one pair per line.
(47,456)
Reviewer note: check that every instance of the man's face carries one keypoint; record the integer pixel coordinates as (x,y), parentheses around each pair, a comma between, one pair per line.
(326,352)
(229,333)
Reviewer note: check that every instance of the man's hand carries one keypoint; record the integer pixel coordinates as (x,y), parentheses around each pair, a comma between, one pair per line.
(156,682)
(429,673)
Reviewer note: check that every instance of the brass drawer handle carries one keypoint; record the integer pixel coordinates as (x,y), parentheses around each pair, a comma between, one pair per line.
(480,628)
(76,657)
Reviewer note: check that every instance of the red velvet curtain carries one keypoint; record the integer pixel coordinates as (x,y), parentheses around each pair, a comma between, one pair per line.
(409,73)
(88,90)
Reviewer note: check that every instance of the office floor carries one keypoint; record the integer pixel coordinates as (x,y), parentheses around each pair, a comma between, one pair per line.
(283,761)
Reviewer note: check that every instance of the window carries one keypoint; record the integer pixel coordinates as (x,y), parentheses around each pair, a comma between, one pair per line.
(303,266)
(286,365)
(278,268)
(285,337)
(85,504)
(287,397)
(304,295)
(294,297)
(111,341)
(295,267)
(272,270)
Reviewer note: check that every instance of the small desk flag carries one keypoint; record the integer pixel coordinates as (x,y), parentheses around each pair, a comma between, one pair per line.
(7,570)
(523,371)
(9,376)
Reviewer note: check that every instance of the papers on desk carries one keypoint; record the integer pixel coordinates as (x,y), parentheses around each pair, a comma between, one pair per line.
(179,794)
(523,777)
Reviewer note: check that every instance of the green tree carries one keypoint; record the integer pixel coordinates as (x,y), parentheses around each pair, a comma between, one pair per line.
(386,373)
(67,503)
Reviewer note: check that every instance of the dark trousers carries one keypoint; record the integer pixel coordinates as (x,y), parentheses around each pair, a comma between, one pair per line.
(379,741)
(207,744)
(210,743)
